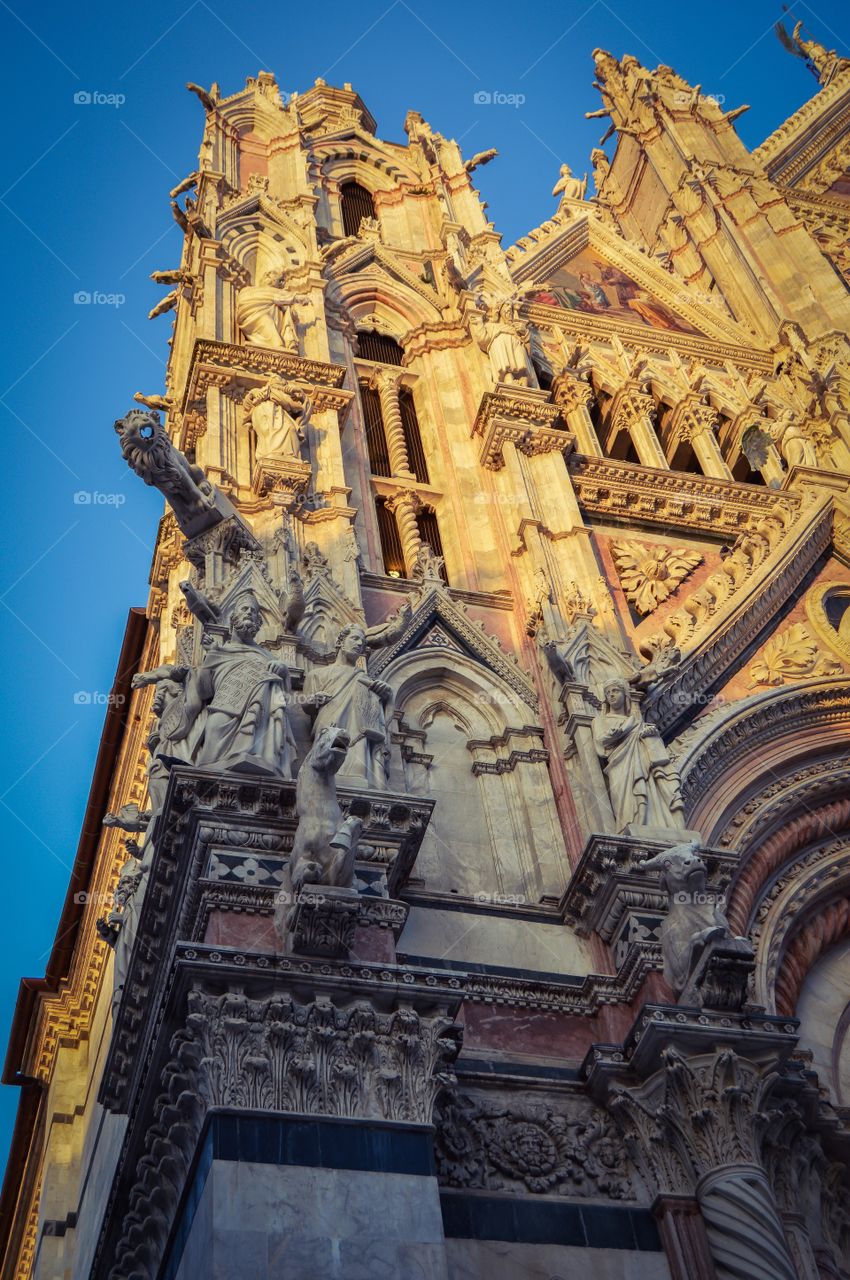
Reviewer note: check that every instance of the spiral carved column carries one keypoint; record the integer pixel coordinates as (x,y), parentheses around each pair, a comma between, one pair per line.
(387,386)
(405,506)
(745,1232)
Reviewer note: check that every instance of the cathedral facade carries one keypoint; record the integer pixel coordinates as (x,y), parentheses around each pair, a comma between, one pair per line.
(463,888)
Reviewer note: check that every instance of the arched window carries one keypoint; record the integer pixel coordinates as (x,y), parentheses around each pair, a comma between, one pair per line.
(356,203)
(376,440)
(429,532)
(390,541)
(379,347)
(412,437)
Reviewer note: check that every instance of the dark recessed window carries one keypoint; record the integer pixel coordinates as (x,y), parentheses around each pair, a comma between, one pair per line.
(356,203)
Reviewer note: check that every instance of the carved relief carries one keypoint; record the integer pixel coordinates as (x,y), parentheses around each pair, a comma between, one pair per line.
(650,574)
(790,656)
(571,1149)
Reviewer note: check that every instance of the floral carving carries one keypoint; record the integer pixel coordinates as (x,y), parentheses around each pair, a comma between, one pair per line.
(790,656)
(650,574)
(482,1144)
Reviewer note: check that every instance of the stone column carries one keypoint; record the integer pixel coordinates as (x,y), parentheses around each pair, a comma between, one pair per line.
(634,411)
(683,1236)
(574,397)
(696,422)
(405,506)
(694,1129)
(387,383)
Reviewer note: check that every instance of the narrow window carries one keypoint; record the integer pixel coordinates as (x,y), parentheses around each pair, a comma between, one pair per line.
(390,541)
(412,437)
(429,531)
(356,203)
(376,440)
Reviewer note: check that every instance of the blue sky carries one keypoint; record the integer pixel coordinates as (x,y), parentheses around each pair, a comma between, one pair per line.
(84,208)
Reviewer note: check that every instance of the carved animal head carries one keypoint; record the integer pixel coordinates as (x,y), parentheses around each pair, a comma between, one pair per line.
(329,749)
(682,869)
(140,430)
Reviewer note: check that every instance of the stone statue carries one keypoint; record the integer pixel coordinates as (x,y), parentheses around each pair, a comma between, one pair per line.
(278,412)
(169,739)
(824,63)
(568,187)
(642,782)
(345,696)
(236,702)
(695,922)
(494,328)
(325,844)
(788,436)
(257,307)
(149,452)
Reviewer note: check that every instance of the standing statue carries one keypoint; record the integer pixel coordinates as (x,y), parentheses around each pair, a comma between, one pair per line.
(169,739)
(345,696)
(325,844)
(695,923)
(788,436)
(278,412)
(496,331)
(236,701)
(149,452)
(642,782)
(257,308)
(568,187)
(824,63)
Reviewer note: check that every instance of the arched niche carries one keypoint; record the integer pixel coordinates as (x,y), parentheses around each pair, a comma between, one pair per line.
(470,742)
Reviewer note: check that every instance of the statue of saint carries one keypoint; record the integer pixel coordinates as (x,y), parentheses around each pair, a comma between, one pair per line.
(568,187)
(278,412)
(345,696)
(169,738)
(495,330)
(236,701)
(788,436)
(642,782)
(257,308)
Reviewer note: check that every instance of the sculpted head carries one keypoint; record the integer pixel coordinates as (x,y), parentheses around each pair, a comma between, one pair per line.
(617,695)
(245,618)
(351,642)
(139,429)
(329,749)
(271,278)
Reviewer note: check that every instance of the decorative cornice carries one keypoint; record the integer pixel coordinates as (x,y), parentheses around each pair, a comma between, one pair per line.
(519,416)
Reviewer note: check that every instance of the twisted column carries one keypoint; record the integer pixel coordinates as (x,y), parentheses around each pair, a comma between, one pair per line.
(405,506)
(745,1232)
(387,384)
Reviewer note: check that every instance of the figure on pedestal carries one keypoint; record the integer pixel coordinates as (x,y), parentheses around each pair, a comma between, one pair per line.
(257,308)
(170,737)
(642,781)
(325,844)
(568,187)
(695,924)
(495,329)
(344,696)
(236,702)
(788,436)
(278,412)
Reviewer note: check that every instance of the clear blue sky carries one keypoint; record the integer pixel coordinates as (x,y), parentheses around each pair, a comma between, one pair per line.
(84,207)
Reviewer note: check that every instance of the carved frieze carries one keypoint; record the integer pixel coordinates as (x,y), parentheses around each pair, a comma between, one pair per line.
(651,573)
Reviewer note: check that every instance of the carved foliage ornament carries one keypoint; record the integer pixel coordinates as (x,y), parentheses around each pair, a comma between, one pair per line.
(650,574)
(790,656)
(530,1147)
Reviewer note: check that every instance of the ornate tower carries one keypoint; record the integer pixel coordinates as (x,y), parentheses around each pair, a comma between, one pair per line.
(463,884)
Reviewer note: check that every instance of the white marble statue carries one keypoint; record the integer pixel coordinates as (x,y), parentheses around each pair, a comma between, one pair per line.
(642,782)
(279,412)
(495,329)
(345,696)
(264,313)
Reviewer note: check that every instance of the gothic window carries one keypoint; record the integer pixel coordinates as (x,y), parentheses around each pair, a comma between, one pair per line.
(429,532)
(379,347)
(390,541)
(684,459)
(356,203)
(412,435)
(376,440)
